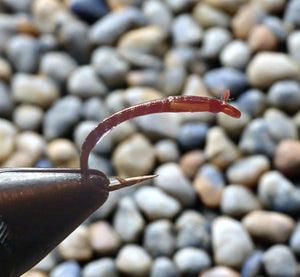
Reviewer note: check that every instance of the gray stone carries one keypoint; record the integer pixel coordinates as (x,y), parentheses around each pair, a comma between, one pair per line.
(47,263)
(172,80)
(180,5)
(164,267)
(95,109)
(293,44)
(104,267)
(28,117)
(291,13)
(167,151)
(295,239)
(66,269)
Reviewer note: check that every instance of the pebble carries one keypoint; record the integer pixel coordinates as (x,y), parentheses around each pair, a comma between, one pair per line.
(66,269)
(230,78)
(94,109)
(100,163)
(164,267)
(261,38)
(269,226)
(214,39)
(103,238)
(266,68)
(291,13)
(278,193)
(238,200)
(8,139)
(192,135)
(172,80)
(104,267)
(28,117)
(186,31)
(134,157)
(128,221)
(5,70)
(6,101)
(217,271)
(219,149)
(156,204)
(209,184)
(285,95)
(143,78)
(229,6)
(231,242)
(123,131)
(208,16)
(178,6)
(236,54)
(137,95)
(63,153)
(192,261)
(133,260)
(47,263)
(85,83)
(278,28)
(34,89)
(18,6)
(158,13)
(295,239)
(172,180)
(76,246)
(293,45)
(253,102)
(109,65)
(58,66)
(166,151)
(159,238)
(62,117)
(247,171)
(23,52)
(190,162)
(33,273)
(253,264)
(279,260)
(286,158)
(276,6)
(108,29)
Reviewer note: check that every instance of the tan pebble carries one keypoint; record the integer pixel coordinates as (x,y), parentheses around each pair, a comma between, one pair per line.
(19,159)
(230,6)
(5,70)
(269,226)
(7,139)
(220,271)
(191,161)
(34,273)
(63,153)
(274,6)
(261,38)
(287,157)
(104,239)
(77,245)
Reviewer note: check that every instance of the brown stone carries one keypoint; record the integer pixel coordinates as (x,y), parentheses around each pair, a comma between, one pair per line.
(261,38)
(218,271)
(191,162)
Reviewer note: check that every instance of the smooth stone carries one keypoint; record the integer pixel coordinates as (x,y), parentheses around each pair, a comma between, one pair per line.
(18,6)
(66,269)
(134,156)
(236,54)
(278,193)
(109,65)
(294,242)
(81,132)
(192,261)
(63,153)
(190,162)
(187,217)
(285,95)
(219,149)
(76,246)
(276,6)
(186,31)
(117,5)
(28,117)
(159,238)
(172,180)
(143,78)
(209,184)
(100,163)
(229,78)
(136,95)
(85,83)
(44,163)
(279,260)
(266,68)
(23,52)
(95,109)
(208,16)
(253,264)
(6,101)
(172,80)
(8,139)
(164,267)
(287,157)
(167,151)
(192,135)
(103,238)
(278,28)
(104,267)
(217,271)
(253,102)
(178,6)
(19,159)
(48,43)
(128,221)
(47,263)
(108,29)
(115,101)
(214,39)
(230,6)
(293,45)
(156,204)
(134,261)
(231,242)
(60,119)
(238,200)
(158,13)
(269,226)
(5,70)
(195,86)
(180,56)
(34,89)
(123,132)
(291,13)
(57,65)
(261,38)
(247,171)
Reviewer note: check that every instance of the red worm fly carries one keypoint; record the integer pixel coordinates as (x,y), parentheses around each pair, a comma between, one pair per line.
(39,207)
